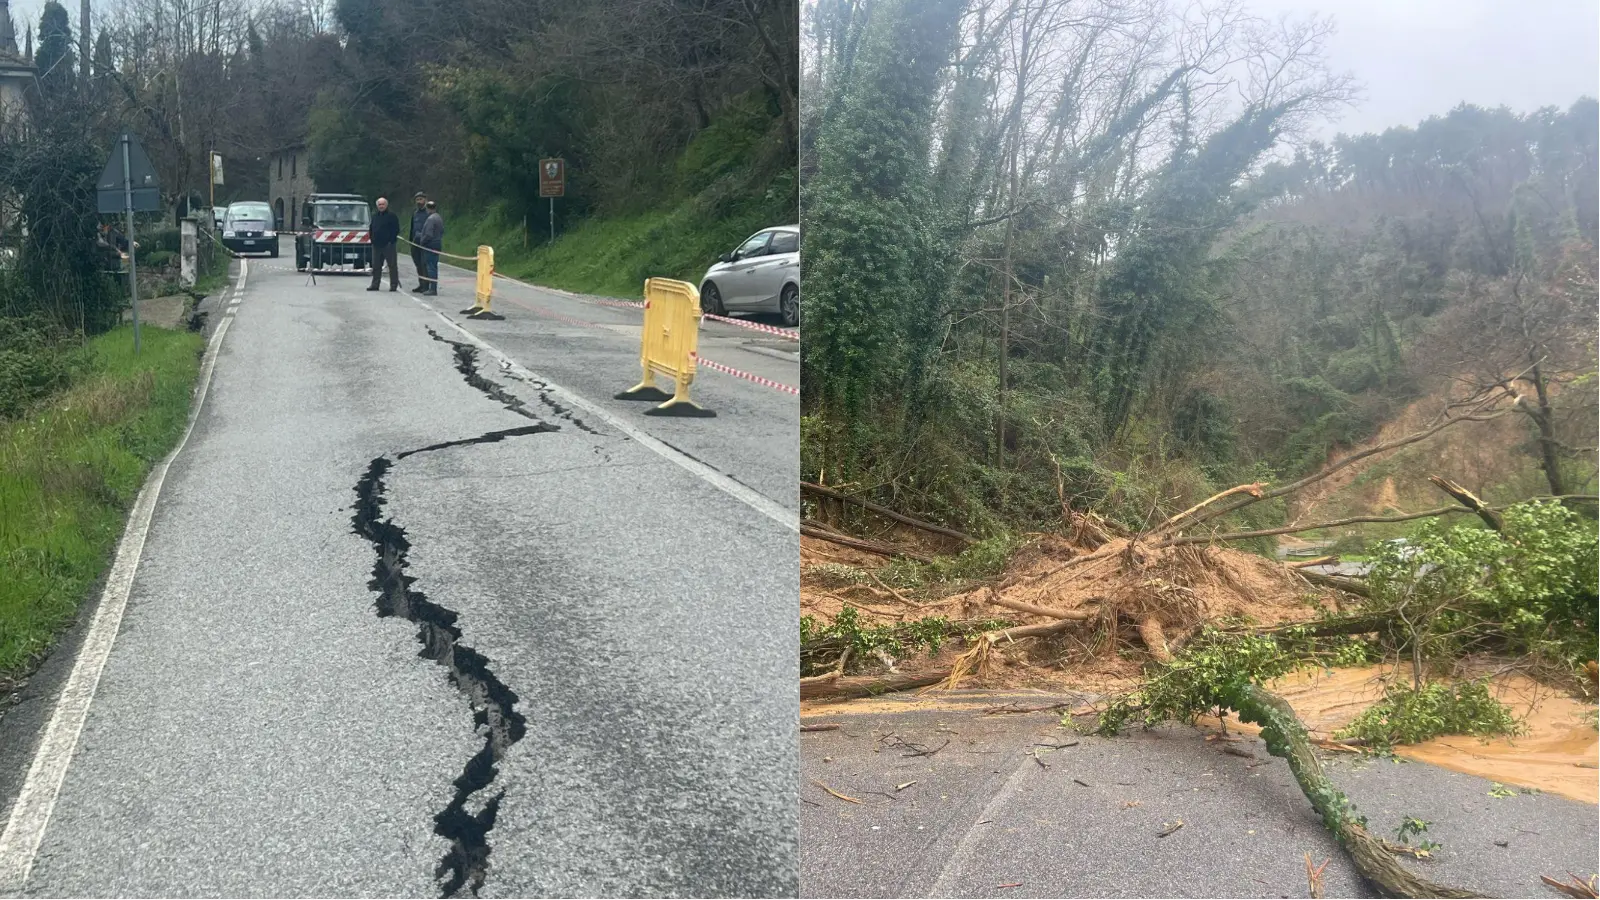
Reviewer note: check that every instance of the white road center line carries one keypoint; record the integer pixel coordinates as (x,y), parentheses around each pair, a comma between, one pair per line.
(19,843)
(754,499)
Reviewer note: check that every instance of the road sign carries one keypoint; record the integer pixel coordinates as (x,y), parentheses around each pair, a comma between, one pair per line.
(128,185)
(216,168)
(552,178)
(113,184)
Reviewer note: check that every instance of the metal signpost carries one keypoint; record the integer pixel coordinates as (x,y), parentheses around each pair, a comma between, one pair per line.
(128,185)
(552,184)
(216,176)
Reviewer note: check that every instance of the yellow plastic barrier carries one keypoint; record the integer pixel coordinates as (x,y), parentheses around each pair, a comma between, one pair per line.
(485,292)
(668,344)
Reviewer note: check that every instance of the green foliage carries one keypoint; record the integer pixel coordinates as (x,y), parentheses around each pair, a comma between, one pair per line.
(1369,259)
(1350,652)
(874,250)
(927,633)
(346,154)
(1527,590)
(510,125)
(54,60)
(984,559)
(848,633)
(1411,827)
(35,361)
(59,268)
(1408,716)
(70,469)
(1203,425)
(726,147)
(1203,678)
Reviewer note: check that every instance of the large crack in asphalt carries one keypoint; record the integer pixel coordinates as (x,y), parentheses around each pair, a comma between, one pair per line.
(491,437)
(493,704)
(467,365)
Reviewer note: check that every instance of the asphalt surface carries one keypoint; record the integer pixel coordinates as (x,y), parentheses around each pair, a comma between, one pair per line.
(982,817)
(261,730)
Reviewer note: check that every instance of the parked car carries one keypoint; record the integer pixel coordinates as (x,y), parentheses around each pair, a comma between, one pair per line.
(762,275)
(249,228)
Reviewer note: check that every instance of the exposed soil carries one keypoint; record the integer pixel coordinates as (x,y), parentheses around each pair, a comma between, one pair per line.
(1180,587)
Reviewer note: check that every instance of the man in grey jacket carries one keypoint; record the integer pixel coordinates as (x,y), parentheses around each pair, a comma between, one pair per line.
(418,219)
(432,241)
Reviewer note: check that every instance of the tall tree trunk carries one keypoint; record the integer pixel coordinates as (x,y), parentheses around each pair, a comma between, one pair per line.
(1012,152)
(1549,447)
(84,54)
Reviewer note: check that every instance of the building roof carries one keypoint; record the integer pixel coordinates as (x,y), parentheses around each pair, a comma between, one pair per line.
(10,57)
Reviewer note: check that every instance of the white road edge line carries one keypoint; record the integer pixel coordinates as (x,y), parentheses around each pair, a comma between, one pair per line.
(19,843)
(754,499)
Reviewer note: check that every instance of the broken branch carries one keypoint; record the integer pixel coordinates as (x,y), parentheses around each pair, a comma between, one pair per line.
(1474,415)
(1020,606)
(812,529)
(808,487)
(1470,501)
(849,686)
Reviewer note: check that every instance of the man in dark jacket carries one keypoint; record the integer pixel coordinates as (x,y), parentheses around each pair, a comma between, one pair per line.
(432,241)
(418,219)
(385,232)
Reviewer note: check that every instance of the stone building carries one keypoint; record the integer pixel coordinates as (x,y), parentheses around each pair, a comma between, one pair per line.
(16,80)
(288,184)
(16,74)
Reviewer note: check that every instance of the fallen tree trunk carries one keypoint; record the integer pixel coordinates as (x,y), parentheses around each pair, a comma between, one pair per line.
(850,686)
(811,529)
(824,491)
(1075,615)
(1348,585)
(1286,738)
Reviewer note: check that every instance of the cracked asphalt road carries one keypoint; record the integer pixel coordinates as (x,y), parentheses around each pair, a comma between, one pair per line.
(982,818)
(259,730)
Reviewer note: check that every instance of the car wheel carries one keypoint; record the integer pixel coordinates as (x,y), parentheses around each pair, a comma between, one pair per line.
(711,300)
(274,252)
(789,306)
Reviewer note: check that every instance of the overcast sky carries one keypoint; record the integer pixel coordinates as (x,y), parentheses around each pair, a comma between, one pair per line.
(1415,58)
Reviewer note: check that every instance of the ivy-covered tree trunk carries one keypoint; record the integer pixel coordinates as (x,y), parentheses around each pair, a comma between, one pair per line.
(1286,738)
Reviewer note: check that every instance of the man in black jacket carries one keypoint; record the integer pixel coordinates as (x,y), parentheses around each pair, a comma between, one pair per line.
(419,218)
(385,231)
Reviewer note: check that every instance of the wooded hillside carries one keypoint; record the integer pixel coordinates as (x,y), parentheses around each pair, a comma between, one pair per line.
(1098,263)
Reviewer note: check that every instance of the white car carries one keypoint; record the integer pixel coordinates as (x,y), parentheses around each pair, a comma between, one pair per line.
(763,275)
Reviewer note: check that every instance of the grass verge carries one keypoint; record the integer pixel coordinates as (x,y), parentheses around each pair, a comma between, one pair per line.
(733,179)
(610,256)
(70,470)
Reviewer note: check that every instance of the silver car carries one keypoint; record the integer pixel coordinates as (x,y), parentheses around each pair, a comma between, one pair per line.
(763,275)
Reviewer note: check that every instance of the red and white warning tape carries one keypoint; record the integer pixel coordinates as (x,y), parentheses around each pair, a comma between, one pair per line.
(757,326)
(730,370)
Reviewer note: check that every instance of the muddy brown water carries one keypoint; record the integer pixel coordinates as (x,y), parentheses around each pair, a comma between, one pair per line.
(1559,753)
